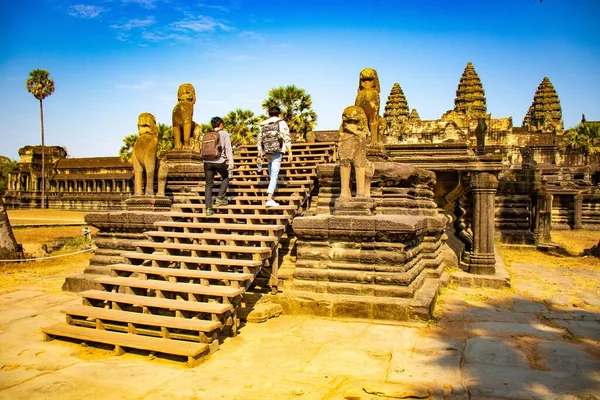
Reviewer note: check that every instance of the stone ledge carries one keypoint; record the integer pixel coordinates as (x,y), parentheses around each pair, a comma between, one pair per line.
(81,282)
(500,279)
(327,305)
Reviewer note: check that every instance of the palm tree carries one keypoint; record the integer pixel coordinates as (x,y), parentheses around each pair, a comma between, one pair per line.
(165,138)
(296,108)
(243,126)
(127,148)
(165,142)
(583,139)
(40,85)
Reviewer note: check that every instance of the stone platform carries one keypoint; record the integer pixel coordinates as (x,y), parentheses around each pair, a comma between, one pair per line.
(378,267)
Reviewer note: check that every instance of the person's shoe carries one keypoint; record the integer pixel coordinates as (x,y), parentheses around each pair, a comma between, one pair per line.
(272,203)
(209,212)
(221,202)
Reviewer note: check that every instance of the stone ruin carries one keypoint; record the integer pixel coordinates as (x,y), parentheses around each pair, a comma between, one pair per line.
(373,220)
(9,248)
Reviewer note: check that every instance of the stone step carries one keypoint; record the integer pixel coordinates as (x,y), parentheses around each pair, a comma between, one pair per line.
(358,289)
(245,174)
(235,198)
(295,146)
(279,191)
(227,238)
(190,288)
(212,227)
(131,255)
(224,217)
(261,252)
(182,272)
(315,157)
(282,170)
(107,314)
(359,276)
(155,302)
(193,351)
(263,181)
(237,208)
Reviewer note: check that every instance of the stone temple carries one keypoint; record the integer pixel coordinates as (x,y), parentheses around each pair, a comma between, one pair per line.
(375,217)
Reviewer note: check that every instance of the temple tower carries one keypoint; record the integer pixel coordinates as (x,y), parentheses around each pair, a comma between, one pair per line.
(470,96)
(396,105)
(414,115)
(545,113)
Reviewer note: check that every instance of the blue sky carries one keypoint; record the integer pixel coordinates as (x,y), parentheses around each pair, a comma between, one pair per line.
(114,59)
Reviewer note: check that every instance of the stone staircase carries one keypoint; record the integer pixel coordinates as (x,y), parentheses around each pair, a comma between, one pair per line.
(178,294)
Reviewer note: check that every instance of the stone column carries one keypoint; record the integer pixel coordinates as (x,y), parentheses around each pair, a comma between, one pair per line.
(483,259)
(578,211)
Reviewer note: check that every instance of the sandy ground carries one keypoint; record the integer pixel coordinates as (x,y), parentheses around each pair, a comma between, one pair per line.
(539,339)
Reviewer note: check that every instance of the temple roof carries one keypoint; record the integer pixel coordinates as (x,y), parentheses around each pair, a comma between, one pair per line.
(92,162)
(470,96)
(396,105)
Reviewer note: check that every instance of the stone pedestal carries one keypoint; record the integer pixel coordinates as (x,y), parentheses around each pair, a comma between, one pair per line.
(182,168)
(483,259)
(380,267)
(148,203)
(354,206)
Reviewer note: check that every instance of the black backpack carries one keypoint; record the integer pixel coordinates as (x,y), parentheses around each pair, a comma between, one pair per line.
(271,138)
(211,146)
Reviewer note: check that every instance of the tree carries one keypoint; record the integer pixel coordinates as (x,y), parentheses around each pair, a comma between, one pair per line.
(165,138)
(165,142)
(40,85)
(296,108)
(583,139)
(243,126)
(6,166)
(127,148)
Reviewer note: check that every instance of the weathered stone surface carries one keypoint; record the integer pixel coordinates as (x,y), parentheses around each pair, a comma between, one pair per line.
(565,357)
(431,363)
(9,249)
(494,351)
(507,328)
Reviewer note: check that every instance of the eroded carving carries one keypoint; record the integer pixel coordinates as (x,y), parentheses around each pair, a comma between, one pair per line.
(144,154)
(368,99)
(183,113)
(352,150)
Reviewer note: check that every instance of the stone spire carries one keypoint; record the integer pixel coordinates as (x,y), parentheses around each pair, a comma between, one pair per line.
(545,113)
(470,96)
(396,105)
(414,115)
(527,118)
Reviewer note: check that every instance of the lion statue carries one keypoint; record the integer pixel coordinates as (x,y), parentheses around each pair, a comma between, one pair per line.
(183,113)
(144,154)
(352,151)
(368,99)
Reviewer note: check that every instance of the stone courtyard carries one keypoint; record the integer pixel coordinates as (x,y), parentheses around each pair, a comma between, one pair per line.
(482,344)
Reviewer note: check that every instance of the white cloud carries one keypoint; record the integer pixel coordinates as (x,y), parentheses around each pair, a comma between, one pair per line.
(219,8)
(134,23)
(252,35)
(159,37)
(149,4)
(85,11)
(200,24)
